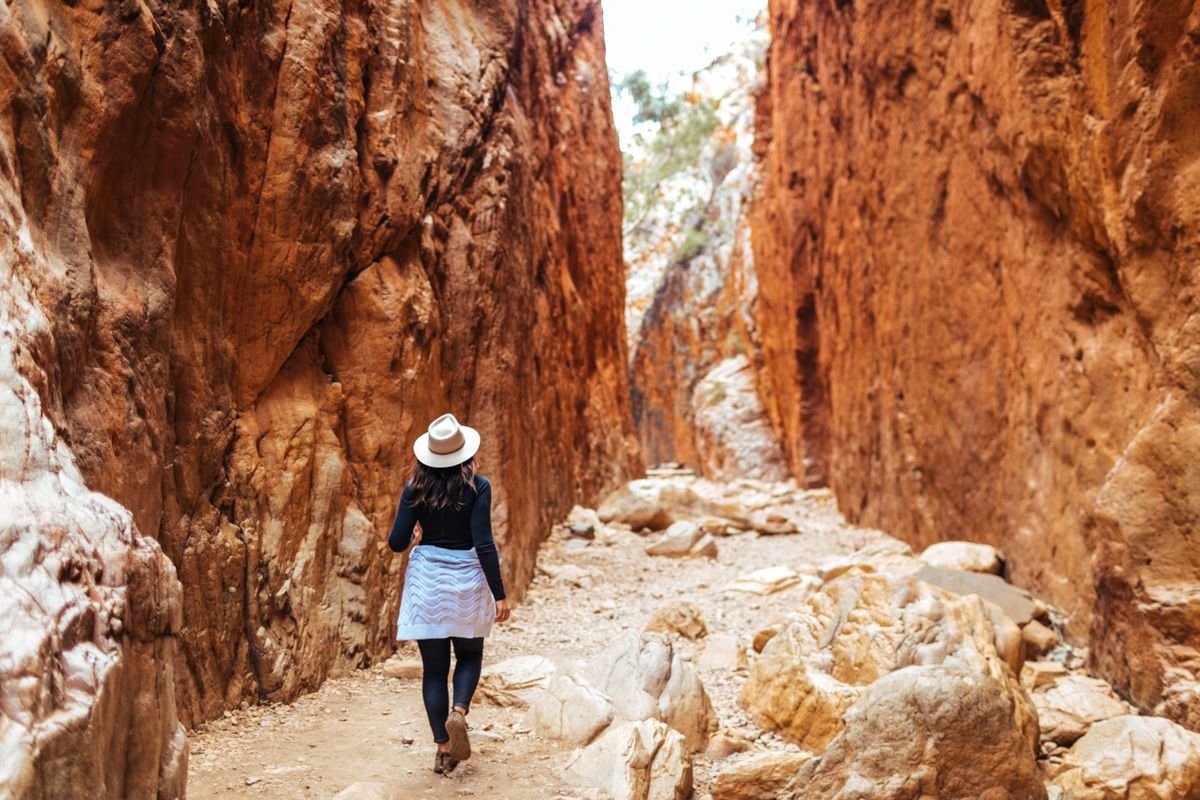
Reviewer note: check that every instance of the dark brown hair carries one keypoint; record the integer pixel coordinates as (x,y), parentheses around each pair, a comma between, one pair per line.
(441,487)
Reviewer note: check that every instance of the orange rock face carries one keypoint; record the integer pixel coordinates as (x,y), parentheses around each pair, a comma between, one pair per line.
(976,242)
(267,244)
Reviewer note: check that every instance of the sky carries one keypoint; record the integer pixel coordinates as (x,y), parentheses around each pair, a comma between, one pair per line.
(665,37)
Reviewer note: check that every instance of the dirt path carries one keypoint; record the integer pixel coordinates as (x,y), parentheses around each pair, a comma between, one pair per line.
(367,727)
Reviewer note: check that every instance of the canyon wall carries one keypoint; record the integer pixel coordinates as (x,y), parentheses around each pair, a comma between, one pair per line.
(978,240)
(249,251)
(691,289)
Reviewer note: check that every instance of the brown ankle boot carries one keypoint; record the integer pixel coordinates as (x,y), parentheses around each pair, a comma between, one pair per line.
(460,743)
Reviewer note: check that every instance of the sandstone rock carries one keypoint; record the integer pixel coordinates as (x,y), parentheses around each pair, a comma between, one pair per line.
(1038,674)
(761,776)
(726,742)
(766,634)
(683,539)
(645,678)
(885,555)
(647,503)
(582,530)
(584,516)
(1038,639)
(571,575)
(771,524)
(369,790)
(734,438)
(855,630)
(656,503)
(403,668)
(965,556)
(720,651)
(91,608)
(1070,705)
(515,681)
(937,731)
(916,393)
(1015,602)
(570,710)
(1140,758)
(679,617)
(768,580)
(635,760)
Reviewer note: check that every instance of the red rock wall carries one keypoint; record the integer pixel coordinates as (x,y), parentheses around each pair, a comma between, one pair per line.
(271,242)
(977,242)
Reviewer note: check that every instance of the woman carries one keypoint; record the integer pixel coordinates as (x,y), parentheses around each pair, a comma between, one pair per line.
(452,588)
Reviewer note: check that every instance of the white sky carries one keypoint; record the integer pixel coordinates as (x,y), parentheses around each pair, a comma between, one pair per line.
(665,37)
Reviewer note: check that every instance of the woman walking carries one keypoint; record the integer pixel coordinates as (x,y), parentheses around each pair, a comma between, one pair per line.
(452,587)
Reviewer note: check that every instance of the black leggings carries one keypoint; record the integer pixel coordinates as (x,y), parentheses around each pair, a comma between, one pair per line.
(435,655)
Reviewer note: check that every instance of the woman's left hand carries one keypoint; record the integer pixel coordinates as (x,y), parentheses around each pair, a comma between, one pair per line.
(502,610)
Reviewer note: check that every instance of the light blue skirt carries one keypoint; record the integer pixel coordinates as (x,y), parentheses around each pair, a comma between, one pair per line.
(445,594)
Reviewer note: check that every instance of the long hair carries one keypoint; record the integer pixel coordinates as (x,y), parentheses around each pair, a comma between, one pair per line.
(441,487)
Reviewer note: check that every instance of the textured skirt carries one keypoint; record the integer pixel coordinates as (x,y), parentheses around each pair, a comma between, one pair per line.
(445,594)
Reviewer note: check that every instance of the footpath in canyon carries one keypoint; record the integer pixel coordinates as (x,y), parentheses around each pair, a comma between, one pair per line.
(741,565)
(937,262)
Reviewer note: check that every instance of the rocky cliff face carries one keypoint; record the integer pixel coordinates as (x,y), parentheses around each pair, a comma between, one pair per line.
(691,289)
(249,252)
(976,242)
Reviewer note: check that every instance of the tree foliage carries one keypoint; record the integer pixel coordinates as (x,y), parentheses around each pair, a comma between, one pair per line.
(664,172)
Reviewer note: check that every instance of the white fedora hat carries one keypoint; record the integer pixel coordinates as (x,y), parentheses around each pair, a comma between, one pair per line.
(446,443)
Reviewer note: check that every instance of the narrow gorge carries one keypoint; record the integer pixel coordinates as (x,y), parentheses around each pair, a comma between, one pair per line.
(914,270)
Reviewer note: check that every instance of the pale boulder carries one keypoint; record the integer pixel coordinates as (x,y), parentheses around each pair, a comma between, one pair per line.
(721,651)
(857,629)
(1071,705)
(569,710)
(515,681)
(944,732)
(773,524)
(679,617)
(645,678)
(1132,758)
(1015,602)
(683,539)
(1037,639)
(883,555)
(403,668)
(967,556)
(726,742)
(580,515)
(768,580)
(759,776)
(635,760)
(648,503)
(369,790)
(1038,674)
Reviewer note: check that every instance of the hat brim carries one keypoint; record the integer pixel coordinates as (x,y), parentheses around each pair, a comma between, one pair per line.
(431,459)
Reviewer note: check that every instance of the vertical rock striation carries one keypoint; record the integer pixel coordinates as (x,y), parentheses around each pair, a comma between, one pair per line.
(691,291)
(249,251)
(976,240)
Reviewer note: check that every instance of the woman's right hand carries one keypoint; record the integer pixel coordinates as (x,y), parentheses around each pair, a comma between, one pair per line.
(502,610)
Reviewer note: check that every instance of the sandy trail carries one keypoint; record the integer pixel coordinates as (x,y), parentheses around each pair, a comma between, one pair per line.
(359,727)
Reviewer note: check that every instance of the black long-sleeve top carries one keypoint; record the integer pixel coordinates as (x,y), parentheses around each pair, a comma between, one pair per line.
(453,529)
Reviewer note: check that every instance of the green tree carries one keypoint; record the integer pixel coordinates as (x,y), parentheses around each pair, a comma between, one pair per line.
(663,167)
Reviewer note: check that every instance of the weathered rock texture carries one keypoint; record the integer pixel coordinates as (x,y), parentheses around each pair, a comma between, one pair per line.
(691,297)
(249,251)
(976,245)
